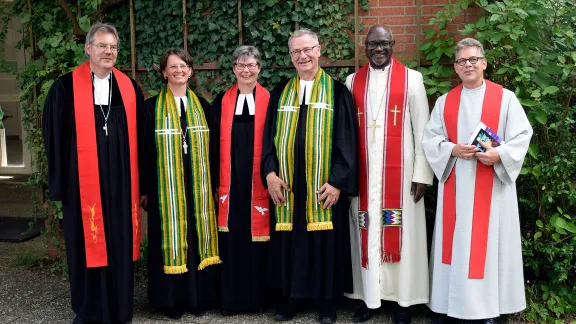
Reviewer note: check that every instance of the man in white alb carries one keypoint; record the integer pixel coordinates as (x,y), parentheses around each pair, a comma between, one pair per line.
(388,228)
(476,259)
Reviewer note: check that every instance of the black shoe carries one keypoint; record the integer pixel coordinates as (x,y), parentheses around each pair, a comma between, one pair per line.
(173,313)
(402,315)
(285,312)
(362,315)
(439,319)
(489,321)
(227,312)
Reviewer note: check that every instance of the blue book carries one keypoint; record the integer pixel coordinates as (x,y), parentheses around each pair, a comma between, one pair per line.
(483,133)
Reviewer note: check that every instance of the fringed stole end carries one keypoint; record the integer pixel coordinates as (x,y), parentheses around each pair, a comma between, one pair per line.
(260,238)
(209,261)
(223,229)
(321,226)
(283,226)
(175,269)
(390,257)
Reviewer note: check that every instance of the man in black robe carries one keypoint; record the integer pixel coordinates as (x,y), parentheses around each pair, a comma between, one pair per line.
(312,264)
(89,128)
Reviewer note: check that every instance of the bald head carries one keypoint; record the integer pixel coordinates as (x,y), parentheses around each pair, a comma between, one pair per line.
(379,46)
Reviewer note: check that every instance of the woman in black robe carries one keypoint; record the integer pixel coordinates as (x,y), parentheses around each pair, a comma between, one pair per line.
(193,290)
(243,273)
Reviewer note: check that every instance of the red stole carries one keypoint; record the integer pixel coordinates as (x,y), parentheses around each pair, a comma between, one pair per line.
(393,160)
(88,169)
(484,182)
(260,198)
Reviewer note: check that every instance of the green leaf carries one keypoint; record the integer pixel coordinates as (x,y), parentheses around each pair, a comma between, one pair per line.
(539,224)
(570,227)
(533,151)
(556,237)
(537,235)
(550,90)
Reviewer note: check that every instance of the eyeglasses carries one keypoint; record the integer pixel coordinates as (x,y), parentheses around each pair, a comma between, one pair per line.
(472,60)
(241,66)
(178,66)
(383,44)
(305,50)
(102,47)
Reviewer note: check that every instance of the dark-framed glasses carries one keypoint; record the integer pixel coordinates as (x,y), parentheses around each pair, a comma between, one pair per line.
(242,66)
(472,60)
(103,47)
(175,67)
(383,44)
(305,50)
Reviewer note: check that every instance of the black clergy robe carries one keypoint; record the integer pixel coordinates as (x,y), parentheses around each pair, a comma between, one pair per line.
(315,264)
(102,294)
(243,275)
(190,290)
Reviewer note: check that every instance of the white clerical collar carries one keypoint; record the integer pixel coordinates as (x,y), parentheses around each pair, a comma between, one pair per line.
(379,71)
(101,90)
(179,101)
(240,103)
(305,85)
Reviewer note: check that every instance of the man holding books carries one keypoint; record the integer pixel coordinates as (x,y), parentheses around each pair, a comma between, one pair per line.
(476,260)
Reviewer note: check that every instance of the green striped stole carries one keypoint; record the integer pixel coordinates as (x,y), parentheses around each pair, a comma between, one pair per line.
(171,186)
(319,130)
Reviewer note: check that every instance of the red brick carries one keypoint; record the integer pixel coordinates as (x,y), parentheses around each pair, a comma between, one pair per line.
(431,10)
(405,58)
(399,20)
(410,48)
(393,3)
(410,10)
(430,2)
(411,29)
(459,18)
(404,39)
(369,21)
(387,11)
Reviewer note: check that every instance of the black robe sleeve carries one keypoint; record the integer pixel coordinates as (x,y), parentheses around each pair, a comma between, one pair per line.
(269,162)
(146,143)
(56,129)
(343,174)
(214,125)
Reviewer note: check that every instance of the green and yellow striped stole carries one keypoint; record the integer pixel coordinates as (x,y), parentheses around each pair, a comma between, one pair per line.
(171,186)
(319,130)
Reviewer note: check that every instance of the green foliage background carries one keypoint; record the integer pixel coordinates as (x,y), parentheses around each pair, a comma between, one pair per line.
(530,47)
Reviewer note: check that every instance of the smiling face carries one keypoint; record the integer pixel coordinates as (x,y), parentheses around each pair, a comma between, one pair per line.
(101,51)
(379,55)
(177,71)
(305,63)
(470,74)
(246,70)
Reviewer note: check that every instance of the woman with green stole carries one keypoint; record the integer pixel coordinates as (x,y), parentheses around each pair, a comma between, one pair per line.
(175,172)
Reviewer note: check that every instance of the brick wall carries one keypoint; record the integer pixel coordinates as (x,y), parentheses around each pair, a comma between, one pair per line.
(408,20)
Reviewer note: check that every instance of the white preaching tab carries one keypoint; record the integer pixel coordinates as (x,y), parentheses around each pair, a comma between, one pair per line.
(320,105)
(179,101)
(305,86)
(240,104)
(101,90)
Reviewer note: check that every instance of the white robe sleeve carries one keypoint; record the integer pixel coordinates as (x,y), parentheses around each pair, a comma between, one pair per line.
(435,143)
(518,132)
(420,114)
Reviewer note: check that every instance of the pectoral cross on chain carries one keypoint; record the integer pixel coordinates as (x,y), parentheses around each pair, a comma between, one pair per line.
(185,146)
(105,128)
(374,126)
(395,111)
(359,113)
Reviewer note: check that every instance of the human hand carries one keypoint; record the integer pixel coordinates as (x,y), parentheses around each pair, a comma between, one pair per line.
(275,187)
(418,190)
(490,157)
(464,151)
(329,194)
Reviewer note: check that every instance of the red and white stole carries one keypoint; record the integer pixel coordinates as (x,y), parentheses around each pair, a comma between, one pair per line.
(393,159)
(484,182)
(88,170)
(260,197)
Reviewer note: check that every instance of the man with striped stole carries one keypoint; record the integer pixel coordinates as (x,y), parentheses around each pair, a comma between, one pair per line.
(309,166)
(182,228)
(388,227)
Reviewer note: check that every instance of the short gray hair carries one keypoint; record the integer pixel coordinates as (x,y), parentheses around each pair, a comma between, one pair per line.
(246,51)
(468,42)
(100,27)
(301,32)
